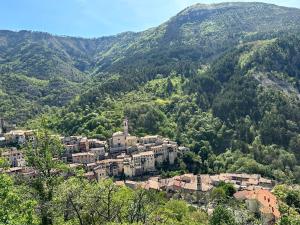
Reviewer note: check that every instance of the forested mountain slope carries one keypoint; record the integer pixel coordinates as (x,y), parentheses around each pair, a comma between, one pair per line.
(56,68)
(199,33)
(222,79)
(241,113)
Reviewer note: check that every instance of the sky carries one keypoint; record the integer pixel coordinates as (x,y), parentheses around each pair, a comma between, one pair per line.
(95,18)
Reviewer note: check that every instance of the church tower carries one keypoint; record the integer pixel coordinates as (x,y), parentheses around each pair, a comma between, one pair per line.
(125,124)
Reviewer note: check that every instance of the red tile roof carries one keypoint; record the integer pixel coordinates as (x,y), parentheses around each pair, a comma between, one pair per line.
(267,201)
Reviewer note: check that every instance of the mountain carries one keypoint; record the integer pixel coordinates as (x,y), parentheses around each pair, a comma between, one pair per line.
(39,69)
(239,114)
(199,33)
(222,79)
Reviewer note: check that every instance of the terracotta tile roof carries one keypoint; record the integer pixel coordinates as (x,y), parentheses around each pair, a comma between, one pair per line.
(151,184)
(268,202)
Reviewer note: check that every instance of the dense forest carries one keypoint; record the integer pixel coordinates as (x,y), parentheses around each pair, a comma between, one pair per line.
(235,114)
(223,80)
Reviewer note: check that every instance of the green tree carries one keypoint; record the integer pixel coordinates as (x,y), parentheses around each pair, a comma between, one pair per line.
(218,195)
(69,202)
(222,216)
(42,155)
(169,87)
(15,208)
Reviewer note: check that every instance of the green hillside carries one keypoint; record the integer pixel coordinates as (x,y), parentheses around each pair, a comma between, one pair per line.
(222,79)
(238,107)
(193,38)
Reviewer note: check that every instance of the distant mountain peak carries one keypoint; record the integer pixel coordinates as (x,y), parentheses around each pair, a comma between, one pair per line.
(224,5)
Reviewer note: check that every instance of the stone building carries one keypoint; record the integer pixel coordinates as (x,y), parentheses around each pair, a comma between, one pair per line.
(14,157)
(166,152)
(262,202)
(122,141)
(98,152)
(108,168)
(139,163)
(84,144)
(118,143)
(83,158)
(19,136)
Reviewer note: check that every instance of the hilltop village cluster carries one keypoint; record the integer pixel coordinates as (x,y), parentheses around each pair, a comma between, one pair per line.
(125,156)
(121,155)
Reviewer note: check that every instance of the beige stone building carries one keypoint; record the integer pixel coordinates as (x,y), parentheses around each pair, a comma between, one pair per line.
(19,136)
(122,141)
(98,152)
(139,164)
(84,144)
(14,157)
(71,140)
(147,161)
(109,167)
(166,152)
(95,143)
(118,143)
(83,158)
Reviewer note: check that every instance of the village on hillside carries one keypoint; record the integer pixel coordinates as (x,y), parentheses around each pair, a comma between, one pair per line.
(134,161)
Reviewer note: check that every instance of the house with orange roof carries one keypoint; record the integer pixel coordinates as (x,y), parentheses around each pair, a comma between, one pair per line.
(262,202)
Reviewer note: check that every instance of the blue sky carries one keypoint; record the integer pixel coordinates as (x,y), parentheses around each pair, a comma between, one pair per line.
(95,18)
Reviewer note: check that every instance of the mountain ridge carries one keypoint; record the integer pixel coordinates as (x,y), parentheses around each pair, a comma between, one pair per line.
(191,39)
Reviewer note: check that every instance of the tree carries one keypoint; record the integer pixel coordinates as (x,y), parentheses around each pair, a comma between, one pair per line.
(273,128)
(222,216)
(169,86)
(109,201)
(177,212)
(15,208)
(192,161)
(70,203)
(292,198)
(142,204)
(285,220)
(42,155)
(294,145)
(228,188)
(218,195)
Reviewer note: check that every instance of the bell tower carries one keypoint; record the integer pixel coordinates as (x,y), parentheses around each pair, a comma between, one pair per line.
(125,124)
